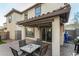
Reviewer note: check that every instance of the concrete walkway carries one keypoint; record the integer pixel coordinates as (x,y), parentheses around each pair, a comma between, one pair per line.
(6,51)
(67,49)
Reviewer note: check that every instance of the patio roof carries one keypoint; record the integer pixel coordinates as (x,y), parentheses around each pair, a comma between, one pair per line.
(63,12)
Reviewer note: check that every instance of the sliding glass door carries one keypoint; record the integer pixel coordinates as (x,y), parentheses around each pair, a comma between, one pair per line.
(47,34)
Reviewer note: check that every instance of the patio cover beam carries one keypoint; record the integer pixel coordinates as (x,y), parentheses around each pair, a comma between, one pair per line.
(39,22)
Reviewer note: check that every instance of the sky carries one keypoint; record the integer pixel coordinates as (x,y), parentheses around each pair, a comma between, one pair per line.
(74,10)
(6,7)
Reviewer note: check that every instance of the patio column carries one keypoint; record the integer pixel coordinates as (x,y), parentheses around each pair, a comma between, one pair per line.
(62,34)
(23,33)
(56,36)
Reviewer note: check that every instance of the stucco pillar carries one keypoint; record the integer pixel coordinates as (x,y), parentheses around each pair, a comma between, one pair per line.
(62,34)
(23,33)
(56,36)
(37,33)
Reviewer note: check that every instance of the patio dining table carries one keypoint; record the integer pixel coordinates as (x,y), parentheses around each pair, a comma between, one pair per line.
(30,48)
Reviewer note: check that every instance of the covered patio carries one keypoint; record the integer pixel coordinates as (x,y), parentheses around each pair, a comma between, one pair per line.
(54,20)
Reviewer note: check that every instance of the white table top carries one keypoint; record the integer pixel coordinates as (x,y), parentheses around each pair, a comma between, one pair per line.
(30,48)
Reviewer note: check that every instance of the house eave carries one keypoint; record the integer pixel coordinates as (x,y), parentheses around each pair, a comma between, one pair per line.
(13,10)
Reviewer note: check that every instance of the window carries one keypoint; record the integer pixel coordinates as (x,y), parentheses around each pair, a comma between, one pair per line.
(9,19)
(47,34)
(29,32)
(38,11)
(25,16)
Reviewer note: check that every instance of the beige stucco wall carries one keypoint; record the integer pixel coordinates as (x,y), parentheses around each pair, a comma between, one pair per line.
(12,27)
(31,13)
(49,7)
(46,7)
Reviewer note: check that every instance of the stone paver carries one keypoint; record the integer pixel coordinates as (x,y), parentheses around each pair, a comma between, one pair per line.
(67,49)
(5,50)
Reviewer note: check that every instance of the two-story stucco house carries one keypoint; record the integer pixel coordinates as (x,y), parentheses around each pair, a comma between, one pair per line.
(42,20)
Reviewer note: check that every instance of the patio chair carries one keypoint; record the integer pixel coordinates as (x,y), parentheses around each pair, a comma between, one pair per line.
(42,51)
(22,43)
(15,52)
(39,41)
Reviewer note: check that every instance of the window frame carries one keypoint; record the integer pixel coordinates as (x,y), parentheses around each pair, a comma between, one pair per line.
(25,15)
(39,6)
(44,38)
(32,32)
(9,19)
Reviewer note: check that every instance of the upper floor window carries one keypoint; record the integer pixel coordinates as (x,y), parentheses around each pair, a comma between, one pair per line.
(38,11)
(9,19)
(25,16)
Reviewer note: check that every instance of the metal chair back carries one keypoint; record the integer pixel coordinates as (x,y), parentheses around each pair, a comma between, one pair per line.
(22,43)
(43,50)
(15,53)
(39,42)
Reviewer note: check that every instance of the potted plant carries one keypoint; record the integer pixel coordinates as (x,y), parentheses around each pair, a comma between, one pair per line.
(76,42)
